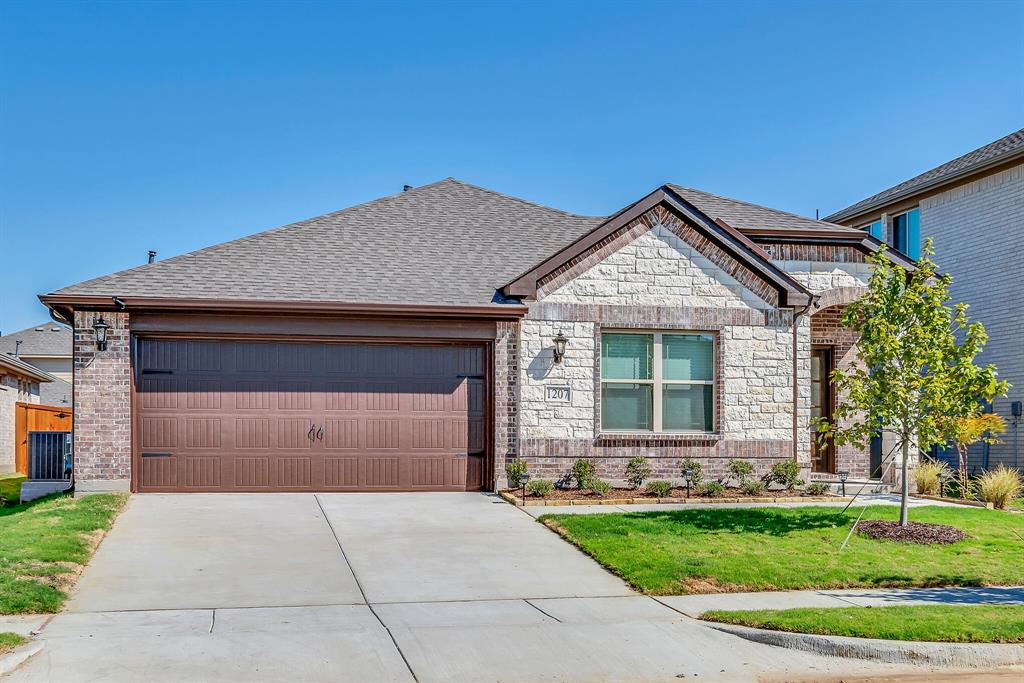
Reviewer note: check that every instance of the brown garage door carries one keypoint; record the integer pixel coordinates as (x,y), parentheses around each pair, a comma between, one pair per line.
(257,416)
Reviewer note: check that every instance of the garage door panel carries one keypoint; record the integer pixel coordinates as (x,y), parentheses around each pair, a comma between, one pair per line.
(249,416)
(159,472)
(341,472)
(252,472)
(252,433)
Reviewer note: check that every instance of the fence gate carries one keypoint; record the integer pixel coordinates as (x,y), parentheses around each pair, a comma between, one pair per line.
(49,456)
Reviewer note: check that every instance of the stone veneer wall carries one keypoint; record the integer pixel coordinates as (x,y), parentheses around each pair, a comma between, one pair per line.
(102,396)
(654,279)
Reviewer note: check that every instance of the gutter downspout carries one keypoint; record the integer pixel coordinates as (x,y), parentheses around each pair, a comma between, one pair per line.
(797,314)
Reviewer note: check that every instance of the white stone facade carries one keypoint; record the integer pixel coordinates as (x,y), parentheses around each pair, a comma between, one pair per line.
(658,270)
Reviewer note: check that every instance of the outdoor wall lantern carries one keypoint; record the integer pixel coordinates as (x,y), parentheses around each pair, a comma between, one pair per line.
(101,326)
(560,341)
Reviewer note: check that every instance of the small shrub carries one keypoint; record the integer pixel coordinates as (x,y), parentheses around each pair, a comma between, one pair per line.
(740,470)
(599,487)
(1000,486)
(659,488)
(540,488)
(786,473)
(515,469)
(752,487)
(711,489)
(583,471)
(928,475)
(695,470)
(637,471)
(816,488)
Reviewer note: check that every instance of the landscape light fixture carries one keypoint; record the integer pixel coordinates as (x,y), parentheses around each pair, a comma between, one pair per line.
(100,326)
(843,476)
(688,476)
(560,341)
(523,479)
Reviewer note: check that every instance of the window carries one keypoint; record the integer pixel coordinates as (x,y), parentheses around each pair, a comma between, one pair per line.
(875,230)
(657,382)
(906,233)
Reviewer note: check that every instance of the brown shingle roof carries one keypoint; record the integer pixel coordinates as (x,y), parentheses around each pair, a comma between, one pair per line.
(746,216)
(447,243)
(993,153)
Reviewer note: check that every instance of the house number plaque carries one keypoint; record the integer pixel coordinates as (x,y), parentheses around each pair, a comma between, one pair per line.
(559,394)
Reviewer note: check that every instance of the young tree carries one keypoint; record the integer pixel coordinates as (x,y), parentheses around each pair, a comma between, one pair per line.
(915,374)
(970,430)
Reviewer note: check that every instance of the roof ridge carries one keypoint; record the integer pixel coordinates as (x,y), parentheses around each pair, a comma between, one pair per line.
(760,206)
(519,199)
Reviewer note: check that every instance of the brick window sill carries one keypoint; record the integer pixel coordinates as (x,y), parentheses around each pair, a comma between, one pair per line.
(680,437)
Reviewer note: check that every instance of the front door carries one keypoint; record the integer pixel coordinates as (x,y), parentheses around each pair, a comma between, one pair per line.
(822,455)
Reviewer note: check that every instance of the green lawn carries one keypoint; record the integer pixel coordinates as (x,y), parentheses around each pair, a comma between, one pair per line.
(721,550)
(10,487)
(43,546)
(9,641)
(939,623)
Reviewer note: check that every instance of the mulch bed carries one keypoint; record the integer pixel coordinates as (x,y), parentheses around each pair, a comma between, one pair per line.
(617,494)
(915,532)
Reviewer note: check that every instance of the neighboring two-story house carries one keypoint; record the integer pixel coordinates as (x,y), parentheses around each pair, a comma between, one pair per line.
(973,208)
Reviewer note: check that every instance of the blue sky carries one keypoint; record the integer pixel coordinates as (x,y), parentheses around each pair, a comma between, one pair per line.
(172,126)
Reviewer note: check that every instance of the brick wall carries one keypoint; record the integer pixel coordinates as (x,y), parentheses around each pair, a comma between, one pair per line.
(506,395)
(978,229)
(102,396)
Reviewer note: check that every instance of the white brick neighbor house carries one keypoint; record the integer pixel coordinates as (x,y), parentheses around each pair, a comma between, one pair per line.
(973,208)
(409,344)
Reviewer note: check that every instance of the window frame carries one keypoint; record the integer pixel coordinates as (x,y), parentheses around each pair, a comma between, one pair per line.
(657,382)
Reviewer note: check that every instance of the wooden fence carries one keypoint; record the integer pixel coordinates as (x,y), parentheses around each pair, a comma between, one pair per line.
(30,417)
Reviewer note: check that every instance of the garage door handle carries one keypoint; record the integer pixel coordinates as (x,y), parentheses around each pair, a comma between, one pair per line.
(320,433)
(311,435)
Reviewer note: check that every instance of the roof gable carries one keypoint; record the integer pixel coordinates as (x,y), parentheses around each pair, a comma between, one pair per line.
(721,244)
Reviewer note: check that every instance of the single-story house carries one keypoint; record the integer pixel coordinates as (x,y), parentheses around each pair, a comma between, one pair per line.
(46,346)
(422,340)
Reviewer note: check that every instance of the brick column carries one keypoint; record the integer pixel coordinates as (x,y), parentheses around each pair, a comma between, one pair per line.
(506,405)
(102,396)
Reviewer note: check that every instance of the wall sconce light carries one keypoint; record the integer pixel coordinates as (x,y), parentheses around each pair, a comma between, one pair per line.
(101,326)
(560,341)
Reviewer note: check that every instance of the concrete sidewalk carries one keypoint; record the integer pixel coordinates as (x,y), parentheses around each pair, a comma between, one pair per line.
(865,499)
(695,605)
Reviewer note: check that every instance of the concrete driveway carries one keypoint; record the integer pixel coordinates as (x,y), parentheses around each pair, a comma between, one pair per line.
(373,587)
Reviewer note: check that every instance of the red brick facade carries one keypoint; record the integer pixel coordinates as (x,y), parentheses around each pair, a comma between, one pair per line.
(102,396)
(827,329)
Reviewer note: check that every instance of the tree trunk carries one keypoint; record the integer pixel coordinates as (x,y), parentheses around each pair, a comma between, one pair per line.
(904,482)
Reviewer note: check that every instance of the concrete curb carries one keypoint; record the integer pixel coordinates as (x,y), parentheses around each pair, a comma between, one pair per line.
(956,501)
(12,660)
(965,656)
